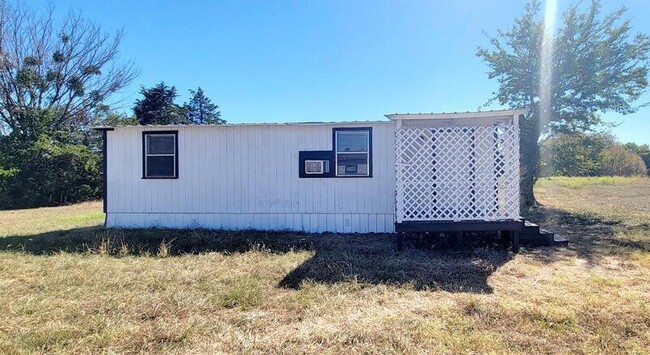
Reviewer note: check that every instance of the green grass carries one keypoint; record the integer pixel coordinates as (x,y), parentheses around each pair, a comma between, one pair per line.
(582,182)
(69,286)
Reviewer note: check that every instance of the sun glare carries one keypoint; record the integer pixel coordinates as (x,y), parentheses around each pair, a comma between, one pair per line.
(546,62)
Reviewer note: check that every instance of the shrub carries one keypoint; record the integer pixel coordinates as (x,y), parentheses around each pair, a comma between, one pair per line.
(643,150)
(618,161)
(47,172)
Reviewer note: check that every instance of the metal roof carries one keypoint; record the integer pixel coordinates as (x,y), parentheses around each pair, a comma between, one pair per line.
(247,124)
(392,117)
(455,115)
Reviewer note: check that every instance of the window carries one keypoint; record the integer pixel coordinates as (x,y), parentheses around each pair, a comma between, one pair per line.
(160,155)
(353,151)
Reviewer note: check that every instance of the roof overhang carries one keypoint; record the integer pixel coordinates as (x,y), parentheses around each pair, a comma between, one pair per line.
(481,118)
(261,124)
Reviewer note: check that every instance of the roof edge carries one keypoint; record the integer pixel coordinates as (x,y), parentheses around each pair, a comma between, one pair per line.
(455,115)
(274,124)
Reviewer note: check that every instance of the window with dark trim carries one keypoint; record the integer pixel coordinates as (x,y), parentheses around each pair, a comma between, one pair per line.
(353,152)
(160,155)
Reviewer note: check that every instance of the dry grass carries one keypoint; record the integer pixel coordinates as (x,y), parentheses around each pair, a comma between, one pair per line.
(625,199)
(90,290)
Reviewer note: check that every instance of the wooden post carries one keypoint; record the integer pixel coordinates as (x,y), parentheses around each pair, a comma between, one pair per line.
(400,241)
(459,239)
(506,237)
(515,241)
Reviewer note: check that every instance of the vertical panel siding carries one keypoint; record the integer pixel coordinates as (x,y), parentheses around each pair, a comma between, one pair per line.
(236,177)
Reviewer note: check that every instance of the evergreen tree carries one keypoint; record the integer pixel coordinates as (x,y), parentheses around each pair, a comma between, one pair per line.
(201,110)
(158,107)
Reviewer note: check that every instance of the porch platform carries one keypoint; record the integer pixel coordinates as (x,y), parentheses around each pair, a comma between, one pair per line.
(509,228)
(459,226)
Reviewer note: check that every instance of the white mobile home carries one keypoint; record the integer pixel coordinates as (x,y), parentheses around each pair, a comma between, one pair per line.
(410,173)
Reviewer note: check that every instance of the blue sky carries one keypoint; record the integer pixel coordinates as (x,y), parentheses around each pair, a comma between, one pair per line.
(282,61)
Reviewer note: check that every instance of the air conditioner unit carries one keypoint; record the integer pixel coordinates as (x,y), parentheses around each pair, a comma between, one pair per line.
(316,166)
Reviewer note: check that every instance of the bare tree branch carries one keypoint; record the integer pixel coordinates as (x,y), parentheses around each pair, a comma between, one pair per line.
(69,68)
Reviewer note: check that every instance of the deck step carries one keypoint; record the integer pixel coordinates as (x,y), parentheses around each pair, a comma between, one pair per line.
(533,235)
(560,241)
(531,229)
(540,239)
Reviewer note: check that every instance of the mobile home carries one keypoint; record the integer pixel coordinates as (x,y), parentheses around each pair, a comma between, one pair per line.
(412,172)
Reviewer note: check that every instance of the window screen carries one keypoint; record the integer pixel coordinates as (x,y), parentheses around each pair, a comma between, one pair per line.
(160,155)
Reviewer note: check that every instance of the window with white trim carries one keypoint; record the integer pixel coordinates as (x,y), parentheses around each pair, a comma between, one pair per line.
(160,155)
(352,149)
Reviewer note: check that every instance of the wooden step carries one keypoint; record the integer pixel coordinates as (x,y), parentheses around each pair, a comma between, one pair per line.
(530,228)
(560,241)
(533,235)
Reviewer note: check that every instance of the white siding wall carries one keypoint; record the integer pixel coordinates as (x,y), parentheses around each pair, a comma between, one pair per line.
(246,177)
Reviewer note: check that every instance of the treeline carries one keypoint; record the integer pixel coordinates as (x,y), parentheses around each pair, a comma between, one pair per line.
(55,83)
(592,154)
(49,169)
(41,166)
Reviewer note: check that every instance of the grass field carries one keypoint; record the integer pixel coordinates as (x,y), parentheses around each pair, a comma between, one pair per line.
(66,285)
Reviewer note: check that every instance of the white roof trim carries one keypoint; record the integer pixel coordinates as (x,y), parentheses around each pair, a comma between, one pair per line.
(455,115)
(272,124)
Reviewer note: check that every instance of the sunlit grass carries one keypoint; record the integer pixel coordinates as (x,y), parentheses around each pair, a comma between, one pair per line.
(624,199)
(47,219)
(581,182)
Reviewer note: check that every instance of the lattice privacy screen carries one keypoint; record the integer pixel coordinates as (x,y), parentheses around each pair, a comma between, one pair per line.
(457,173)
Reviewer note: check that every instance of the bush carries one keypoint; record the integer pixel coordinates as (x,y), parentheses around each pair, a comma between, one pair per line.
(573,154)
(643,150)
(47,172)
(617,161)
(591,154)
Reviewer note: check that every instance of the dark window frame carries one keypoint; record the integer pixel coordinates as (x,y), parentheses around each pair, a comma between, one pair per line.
(335,151)
(144,154)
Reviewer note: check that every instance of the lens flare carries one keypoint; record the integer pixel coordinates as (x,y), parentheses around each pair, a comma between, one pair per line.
(546,63)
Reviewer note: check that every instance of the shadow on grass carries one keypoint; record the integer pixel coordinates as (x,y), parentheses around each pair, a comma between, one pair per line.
(591,237)
(426,263)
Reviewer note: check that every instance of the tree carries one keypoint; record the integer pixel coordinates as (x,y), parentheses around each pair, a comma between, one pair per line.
(590,154)
(643,150)
(591,64)
(201,110)
(106,116)
(66,70)
(573,154)
(54,81)
(53,169)
(618,161)
(158,107)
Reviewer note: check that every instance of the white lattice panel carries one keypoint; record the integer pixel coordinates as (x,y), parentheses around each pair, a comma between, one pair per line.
(457,173)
